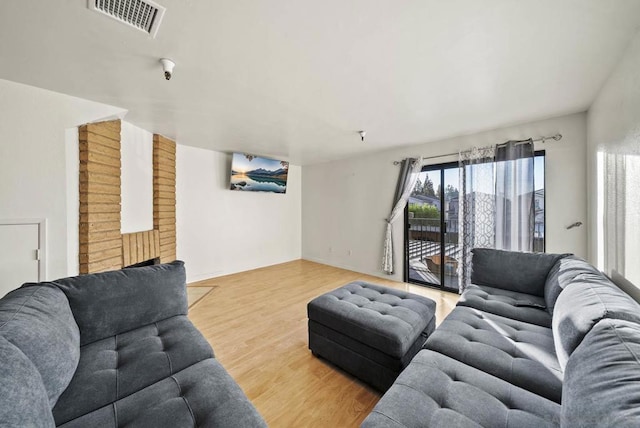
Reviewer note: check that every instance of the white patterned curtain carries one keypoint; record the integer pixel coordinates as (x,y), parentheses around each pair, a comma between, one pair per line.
(515,209)
(619,205)
(409,170)
(476,215)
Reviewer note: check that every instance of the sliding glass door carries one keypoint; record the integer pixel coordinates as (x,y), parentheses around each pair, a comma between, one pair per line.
(432,228)
(432,250)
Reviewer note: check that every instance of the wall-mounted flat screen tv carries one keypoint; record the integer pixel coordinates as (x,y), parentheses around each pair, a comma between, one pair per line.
(251,173)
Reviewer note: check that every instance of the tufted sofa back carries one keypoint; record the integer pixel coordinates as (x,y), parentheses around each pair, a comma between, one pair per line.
(108,303)
(511,270)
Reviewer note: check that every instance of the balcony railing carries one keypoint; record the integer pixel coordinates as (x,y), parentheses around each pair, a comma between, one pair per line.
(428,229)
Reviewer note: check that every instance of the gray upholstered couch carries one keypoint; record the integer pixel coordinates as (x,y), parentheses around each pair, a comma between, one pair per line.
(538,340)
(112,349)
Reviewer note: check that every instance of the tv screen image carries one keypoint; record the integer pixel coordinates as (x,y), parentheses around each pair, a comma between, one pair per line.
(251,173)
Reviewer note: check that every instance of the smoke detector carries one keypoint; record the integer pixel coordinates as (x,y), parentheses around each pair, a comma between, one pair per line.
(142,15)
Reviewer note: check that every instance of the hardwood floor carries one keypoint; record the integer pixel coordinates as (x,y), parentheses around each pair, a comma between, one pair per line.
(256,322)
(195,293)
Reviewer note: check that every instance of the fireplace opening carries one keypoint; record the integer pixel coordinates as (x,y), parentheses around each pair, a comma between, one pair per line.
(149,262)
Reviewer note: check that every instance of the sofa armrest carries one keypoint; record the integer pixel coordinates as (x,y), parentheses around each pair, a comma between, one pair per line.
(512,270)
(108,303)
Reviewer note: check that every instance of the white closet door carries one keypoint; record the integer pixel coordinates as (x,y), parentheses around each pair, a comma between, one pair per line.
(18,255)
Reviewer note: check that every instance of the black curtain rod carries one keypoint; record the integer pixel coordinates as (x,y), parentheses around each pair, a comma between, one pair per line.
(556,137)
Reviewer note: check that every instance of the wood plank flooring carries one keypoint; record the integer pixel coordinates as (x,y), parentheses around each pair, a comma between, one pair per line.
(256,322)
(195,293)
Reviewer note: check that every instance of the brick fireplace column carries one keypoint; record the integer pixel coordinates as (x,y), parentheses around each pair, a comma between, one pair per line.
(99,226)
(164,195)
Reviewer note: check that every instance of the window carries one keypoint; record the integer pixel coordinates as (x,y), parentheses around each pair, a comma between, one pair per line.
(538,229)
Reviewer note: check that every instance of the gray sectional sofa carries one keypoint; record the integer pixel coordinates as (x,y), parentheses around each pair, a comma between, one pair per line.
(112,349)
(538,340)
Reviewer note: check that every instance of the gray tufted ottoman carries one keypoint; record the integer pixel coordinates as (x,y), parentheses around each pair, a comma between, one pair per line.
(370,331)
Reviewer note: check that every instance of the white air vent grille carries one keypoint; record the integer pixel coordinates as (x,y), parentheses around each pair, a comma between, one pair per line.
(143,15)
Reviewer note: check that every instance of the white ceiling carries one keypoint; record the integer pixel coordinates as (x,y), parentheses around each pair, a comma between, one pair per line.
(296,79)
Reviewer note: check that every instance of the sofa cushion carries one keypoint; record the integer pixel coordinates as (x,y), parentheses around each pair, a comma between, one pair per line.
(510,304)
(24,402)
(512,270)
(584,302)
(38,321)
(385,319)
(602,378)
(520,353)
(108,303)
(116,367)
(438,391)
(202,395)
(563,272)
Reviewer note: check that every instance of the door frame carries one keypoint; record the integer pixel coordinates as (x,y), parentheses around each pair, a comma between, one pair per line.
(434,167)
(42,240)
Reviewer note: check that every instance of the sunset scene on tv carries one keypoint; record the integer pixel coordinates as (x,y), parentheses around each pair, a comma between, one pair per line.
(257,174)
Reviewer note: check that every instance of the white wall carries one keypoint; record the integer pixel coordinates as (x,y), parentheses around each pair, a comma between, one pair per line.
(33,173)
(221,231)
(613,125)
(345,203)
(72,156)
(136,151)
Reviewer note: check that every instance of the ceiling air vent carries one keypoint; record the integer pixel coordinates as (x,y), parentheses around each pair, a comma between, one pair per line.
(143,15)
